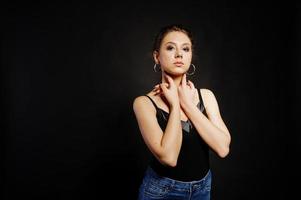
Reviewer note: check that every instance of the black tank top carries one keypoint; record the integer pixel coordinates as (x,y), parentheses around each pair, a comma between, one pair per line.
(193,159)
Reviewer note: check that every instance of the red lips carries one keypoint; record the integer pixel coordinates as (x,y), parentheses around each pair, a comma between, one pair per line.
(178,63)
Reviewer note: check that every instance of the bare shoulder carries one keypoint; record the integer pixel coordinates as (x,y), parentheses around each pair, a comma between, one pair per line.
(205,91)
(210,103)
(207,96)
(213,110)
(141,103)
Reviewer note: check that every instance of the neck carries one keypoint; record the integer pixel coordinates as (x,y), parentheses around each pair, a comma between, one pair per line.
(176,79)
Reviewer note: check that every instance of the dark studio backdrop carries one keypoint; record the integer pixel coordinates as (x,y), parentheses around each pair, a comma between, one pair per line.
(69,75)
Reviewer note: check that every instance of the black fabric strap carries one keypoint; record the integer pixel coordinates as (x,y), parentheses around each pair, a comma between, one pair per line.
(152,101)
(200,97)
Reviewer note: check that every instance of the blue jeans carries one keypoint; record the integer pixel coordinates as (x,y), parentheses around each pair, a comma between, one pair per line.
(155,186)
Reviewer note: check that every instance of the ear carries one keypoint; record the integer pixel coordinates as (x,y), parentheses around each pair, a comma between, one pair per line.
(155,56)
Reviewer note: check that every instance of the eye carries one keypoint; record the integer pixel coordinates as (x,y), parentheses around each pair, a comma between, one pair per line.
(169,48)
(186,49)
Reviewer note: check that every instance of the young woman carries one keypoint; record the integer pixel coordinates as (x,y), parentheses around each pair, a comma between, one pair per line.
(179,124)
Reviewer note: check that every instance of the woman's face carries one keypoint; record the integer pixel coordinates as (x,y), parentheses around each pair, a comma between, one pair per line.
(175,53)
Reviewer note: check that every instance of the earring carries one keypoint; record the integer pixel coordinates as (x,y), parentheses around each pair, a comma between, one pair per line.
(155,68)
(193,70)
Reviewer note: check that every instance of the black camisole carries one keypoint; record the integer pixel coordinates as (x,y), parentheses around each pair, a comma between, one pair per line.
(193,159)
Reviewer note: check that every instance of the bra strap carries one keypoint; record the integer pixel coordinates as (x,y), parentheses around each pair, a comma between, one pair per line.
(201,99)
(152,101)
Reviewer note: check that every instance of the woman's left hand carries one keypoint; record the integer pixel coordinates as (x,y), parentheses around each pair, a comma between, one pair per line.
(186,92)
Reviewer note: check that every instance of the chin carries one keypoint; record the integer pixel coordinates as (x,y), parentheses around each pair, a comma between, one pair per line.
(175,73)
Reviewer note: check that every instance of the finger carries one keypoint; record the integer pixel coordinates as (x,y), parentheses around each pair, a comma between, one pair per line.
(163,87)
(183,81)
(168,79)
(188,83)
(191,84)
(156,86)
(166,85)
(157,90)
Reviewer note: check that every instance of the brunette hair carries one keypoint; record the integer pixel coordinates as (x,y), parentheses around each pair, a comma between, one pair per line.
(170,28)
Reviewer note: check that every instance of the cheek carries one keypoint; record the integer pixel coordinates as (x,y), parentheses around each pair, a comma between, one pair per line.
(166,57)
(188,58)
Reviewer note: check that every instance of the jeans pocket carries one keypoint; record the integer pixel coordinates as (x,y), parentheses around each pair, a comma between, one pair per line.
(156,188)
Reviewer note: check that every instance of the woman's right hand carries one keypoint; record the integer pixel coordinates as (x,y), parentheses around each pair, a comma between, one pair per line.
(169,90)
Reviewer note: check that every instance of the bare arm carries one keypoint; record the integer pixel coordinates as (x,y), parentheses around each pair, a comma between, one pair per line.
(213,130)
(166,145)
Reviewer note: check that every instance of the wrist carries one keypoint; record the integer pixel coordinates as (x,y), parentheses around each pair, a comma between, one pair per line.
(187,105)
(175,106)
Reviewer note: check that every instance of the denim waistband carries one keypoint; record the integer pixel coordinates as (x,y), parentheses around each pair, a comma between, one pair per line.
(176,183)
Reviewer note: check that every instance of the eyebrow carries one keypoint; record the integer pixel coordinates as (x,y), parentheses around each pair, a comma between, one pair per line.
(175,43)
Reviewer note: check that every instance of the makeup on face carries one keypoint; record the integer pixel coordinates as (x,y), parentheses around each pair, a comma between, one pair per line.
(175,53)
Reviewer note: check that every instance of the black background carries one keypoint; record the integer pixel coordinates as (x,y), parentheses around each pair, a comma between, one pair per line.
(70,73)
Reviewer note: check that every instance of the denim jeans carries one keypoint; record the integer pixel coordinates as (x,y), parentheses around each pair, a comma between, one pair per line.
(155,186)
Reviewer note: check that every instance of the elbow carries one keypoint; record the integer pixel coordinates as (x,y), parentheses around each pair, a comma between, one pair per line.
(225,149)
(169,162)
(172,164)
(223,152)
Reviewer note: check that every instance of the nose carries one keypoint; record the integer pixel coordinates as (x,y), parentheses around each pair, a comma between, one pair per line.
(178,54)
